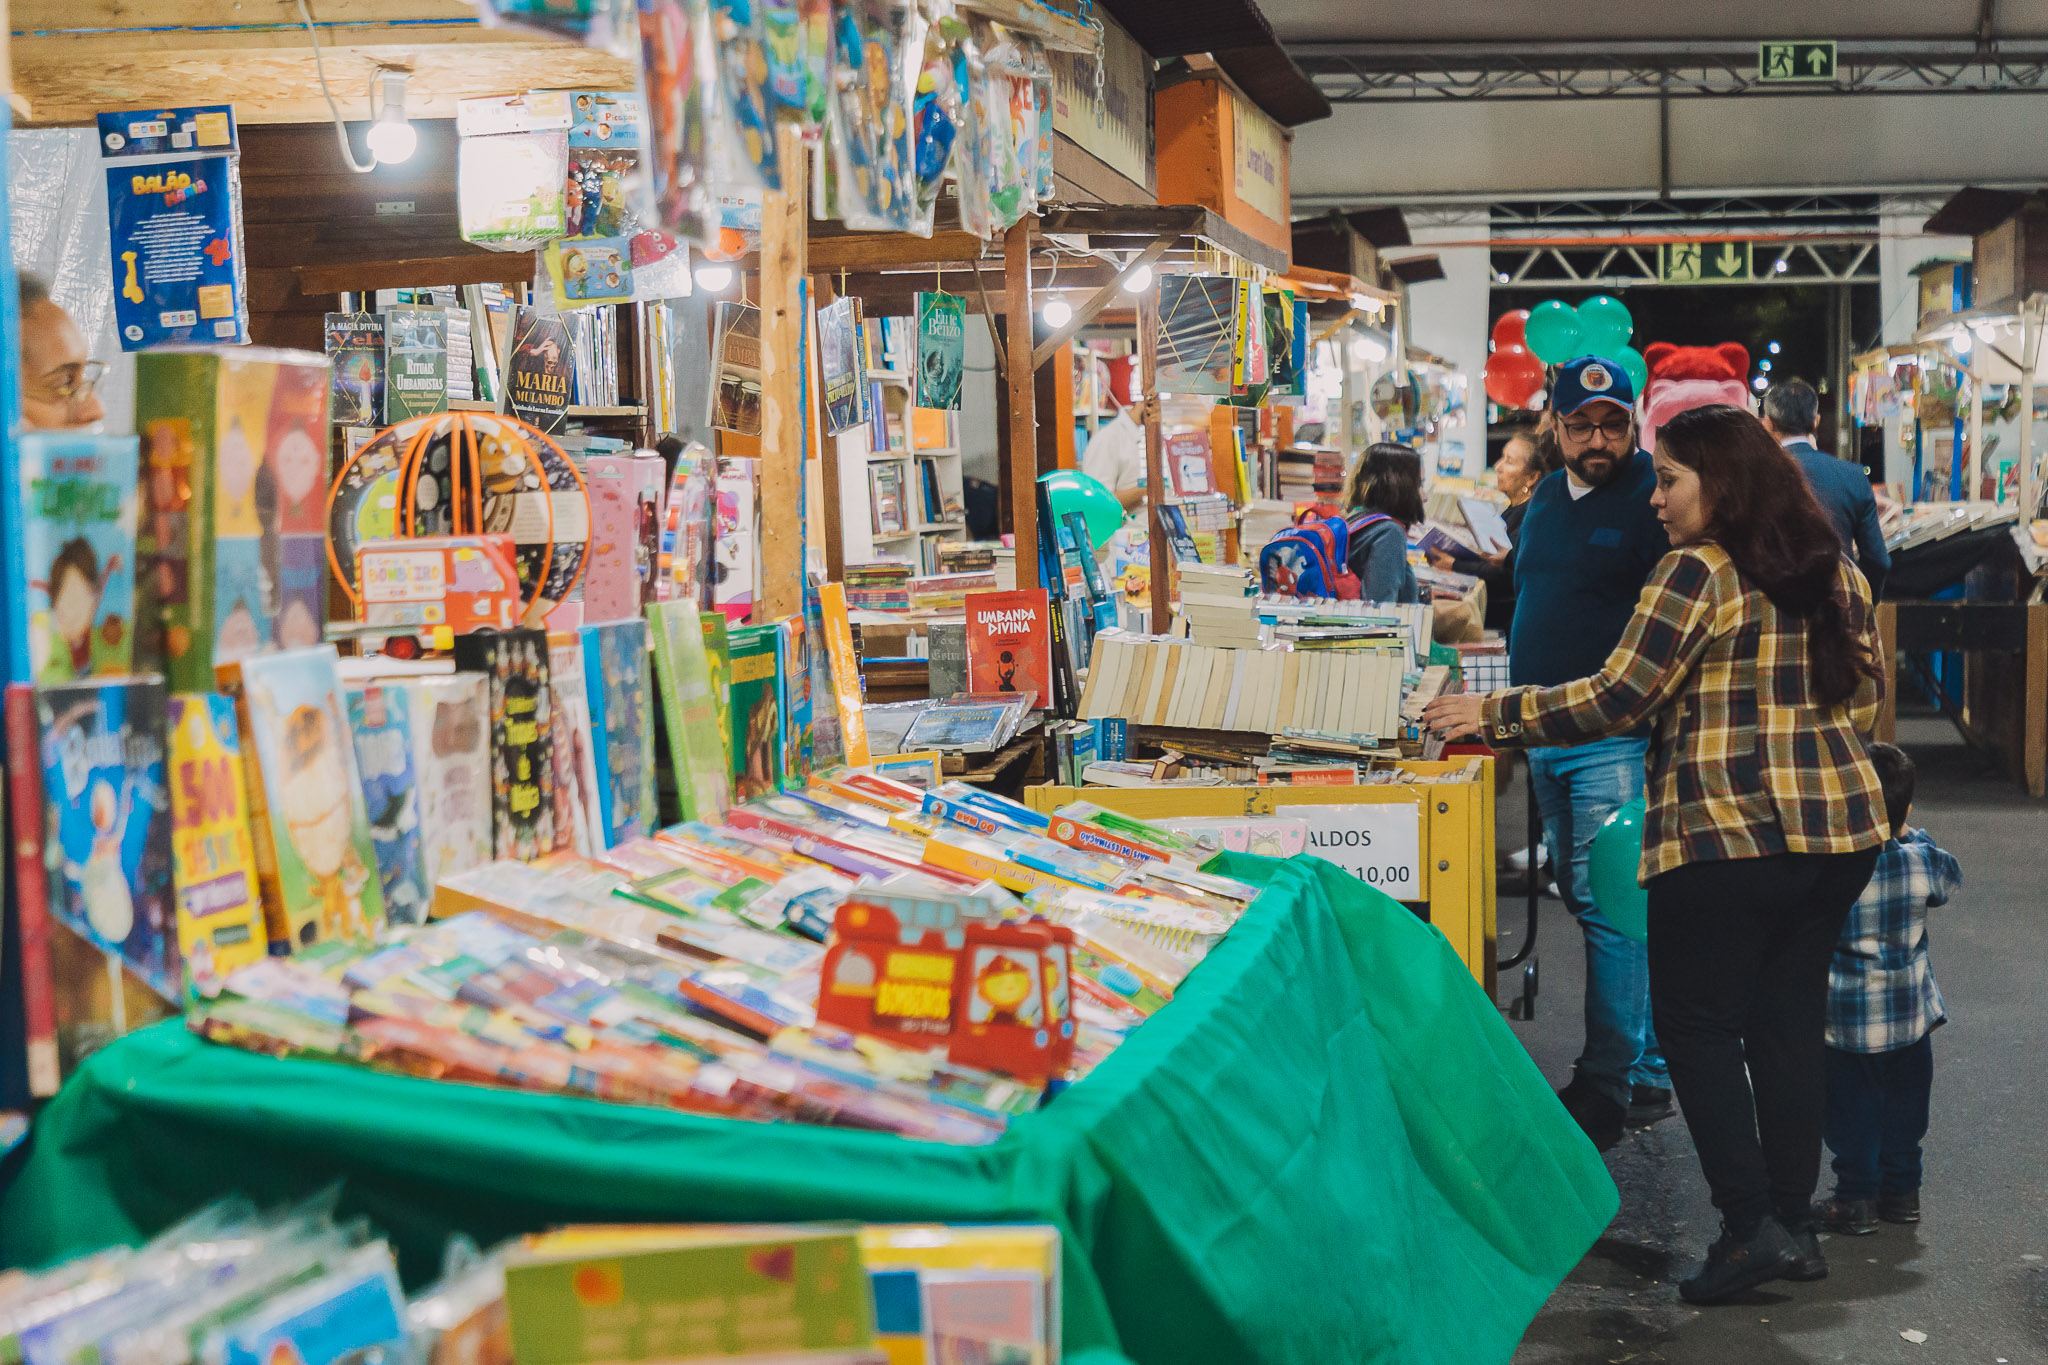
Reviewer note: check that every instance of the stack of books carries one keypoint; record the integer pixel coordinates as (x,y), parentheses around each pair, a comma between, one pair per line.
(880,586)
(1351,694)
(966,556)
(1219,605)
(947,592)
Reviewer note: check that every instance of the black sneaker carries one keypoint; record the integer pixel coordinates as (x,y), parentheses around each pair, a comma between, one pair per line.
(1648,1104)
(1733,1267)
(1899,1208)
(1811,1264)
(1850,1217)
(1593,1111)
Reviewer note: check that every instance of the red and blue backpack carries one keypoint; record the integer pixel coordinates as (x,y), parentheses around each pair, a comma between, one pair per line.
(1311,558)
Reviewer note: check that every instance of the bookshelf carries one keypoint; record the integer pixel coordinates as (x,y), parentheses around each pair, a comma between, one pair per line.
(916,449)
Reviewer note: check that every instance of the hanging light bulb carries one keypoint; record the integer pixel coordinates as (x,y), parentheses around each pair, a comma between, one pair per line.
(1056,312)
(1985,331)
(392,137)
(1139,280)
(1960,343)
(713,276)
(1367,350)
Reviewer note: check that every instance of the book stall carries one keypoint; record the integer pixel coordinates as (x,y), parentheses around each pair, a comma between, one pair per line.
(493,878)
(1957,408)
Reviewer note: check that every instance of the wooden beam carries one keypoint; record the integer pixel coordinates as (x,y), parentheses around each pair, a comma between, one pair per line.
(1023,451)
(1097,301)
(269,75)
(868,250)
(782,414)
(2034,681)
(481,267)
(1887,727)
(1155,481)
(56,16)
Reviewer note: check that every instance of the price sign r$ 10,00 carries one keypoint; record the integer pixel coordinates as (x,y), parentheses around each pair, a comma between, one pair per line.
(1380,843)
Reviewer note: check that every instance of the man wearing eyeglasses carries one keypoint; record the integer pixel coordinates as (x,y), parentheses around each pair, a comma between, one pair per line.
(58,379)
(1588,543)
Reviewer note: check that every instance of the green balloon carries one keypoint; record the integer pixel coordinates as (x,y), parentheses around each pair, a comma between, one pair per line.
(1611,869)
(1069,490)
(1604,325)
(1553,332)
(1632,360)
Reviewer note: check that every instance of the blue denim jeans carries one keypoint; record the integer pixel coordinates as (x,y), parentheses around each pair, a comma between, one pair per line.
(1577,789)
(1877,1114)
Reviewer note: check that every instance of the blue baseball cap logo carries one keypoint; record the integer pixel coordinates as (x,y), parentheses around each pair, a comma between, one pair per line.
(1591,379)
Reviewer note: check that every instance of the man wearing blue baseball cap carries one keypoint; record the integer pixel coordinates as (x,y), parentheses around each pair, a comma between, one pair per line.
(1588,543)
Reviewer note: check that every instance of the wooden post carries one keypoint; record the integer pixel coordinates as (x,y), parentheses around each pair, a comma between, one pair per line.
(2031,322)
(1887,729)
(1055,380)
(2034,681)
(782,414)
(1155,463)
(1022,456)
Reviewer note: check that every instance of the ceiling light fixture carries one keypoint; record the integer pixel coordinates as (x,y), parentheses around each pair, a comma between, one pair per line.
(1139,280)
(713,277)
(1056,312)
(392,137)
(1960,343)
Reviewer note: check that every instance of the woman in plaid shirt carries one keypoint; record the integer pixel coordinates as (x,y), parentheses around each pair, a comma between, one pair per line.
(1752,653)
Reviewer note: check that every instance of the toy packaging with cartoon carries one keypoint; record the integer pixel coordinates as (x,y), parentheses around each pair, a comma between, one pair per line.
(107,822)
(69,525)
(615,666)
(174,213)
(515,665)
(381,720)
(220,902)
(327,884)
(231,544)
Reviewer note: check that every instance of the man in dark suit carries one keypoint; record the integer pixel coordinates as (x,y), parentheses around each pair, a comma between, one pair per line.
(1790,410)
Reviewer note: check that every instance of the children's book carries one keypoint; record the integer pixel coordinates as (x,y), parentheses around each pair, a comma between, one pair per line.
(451,730)
(69,527)
(355,360)
(29,886)
(108,822)
(755,710)
(735,559)
(579,826)
(611,586)
(327,885)
(621,727)
(1009,642)
(793,681)
(386,750)
(718,660)
(213,862)
(696,744)
(837,645)
(415,362)
(232,551)
(514,664)
(1188,464)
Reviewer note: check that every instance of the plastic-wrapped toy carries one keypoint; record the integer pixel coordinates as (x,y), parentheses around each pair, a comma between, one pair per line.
(675,67)
(935,116)
(1041,95)
(999,178)
(605,24)
(874,170)
(743,139)
(799,38)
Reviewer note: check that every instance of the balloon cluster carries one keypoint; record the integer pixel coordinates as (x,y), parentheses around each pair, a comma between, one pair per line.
(1528,339)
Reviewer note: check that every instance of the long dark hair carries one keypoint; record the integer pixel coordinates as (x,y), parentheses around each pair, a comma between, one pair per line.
(1765,516)
(1387,478)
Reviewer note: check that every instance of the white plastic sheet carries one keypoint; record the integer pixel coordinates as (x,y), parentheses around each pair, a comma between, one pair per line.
(57,199)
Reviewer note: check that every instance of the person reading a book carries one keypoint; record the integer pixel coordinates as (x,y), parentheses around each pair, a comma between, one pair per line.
(1752,652)
(58,378)
(1382,499)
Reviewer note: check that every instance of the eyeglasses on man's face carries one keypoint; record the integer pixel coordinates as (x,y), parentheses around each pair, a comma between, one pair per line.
(69,383)
(1614,428)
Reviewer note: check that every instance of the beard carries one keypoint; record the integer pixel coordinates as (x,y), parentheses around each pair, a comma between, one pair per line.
(1595,468)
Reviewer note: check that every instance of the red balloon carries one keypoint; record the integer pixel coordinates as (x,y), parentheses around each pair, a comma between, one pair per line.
(1507,330)
(1513,376)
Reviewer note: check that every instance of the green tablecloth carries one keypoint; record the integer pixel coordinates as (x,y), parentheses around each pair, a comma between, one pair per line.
(1328,1148)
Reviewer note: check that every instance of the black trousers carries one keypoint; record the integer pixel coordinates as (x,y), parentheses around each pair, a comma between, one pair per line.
(1739,954)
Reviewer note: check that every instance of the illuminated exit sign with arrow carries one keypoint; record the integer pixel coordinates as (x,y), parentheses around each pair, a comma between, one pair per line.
(1703,262)
(1813,61)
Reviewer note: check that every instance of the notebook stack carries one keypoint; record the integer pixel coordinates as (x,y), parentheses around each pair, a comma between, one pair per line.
(1219,605)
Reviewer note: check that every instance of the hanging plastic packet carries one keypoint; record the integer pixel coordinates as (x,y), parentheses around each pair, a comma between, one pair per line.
(606,24)
(1001,184)
(1041,97)
(513,169)
(873,59)
(935,116)
(675,75)
(743,126)
(799,37)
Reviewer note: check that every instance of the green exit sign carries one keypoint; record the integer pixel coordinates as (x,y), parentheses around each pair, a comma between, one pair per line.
(1812,61)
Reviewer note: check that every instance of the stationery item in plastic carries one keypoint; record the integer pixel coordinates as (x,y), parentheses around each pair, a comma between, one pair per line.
(999,178)
(743,127)
(606,24)
(873,152)
(936,113)
(799,39)
(676,76)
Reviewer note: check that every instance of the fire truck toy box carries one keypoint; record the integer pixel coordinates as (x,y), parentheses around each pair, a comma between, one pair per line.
(929,973)
(435,588)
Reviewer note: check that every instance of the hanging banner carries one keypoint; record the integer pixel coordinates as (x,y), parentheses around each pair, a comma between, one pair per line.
(1116,129)
(174,223)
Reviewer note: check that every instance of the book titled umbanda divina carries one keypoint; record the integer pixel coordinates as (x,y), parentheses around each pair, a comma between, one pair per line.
(1009,642)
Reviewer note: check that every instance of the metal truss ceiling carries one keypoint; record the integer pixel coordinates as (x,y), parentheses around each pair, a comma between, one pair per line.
(1844,260)
(1374,73)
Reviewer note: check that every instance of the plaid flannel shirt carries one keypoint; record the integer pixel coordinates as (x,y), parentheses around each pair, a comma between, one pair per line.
(1744,761)
(1881,991)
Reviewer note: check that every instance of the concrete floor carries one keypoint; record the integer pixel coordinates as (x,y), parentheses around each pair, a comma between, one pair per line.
(1972,1276)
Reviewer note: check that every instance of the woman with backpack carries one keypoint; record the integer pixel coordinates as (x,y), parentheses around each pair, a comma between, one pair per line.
(1753,655)
(1382,499)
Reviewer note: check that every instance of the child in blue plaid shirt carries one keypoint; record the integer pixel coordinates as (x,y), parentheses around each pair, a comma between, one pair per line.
(1883,1007)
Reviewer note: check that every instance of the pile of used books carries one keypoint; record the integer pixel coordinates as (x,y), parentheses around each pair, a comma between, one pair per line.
(1219,605)
(880,586)
(740,970)
(238,1286)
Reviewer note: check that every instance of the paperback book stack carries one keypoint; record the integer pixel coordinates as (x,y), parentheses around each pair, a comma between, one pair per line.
(880,586)
(966,556)
(1219,605)
(946,593)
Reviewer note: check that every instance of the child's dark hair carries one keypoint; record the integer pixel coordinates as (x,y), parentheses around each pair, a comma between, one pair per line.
(1895,775)
(78,556)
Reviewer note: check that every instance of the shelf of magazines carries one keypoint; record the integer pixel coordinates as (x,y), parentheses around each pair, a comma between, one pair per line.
(1427,841)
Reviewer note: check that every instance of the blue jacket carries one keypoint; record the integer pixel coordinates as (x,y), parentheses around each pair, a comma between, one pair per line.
(1379,556)
(1580,565)
(1845,496)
